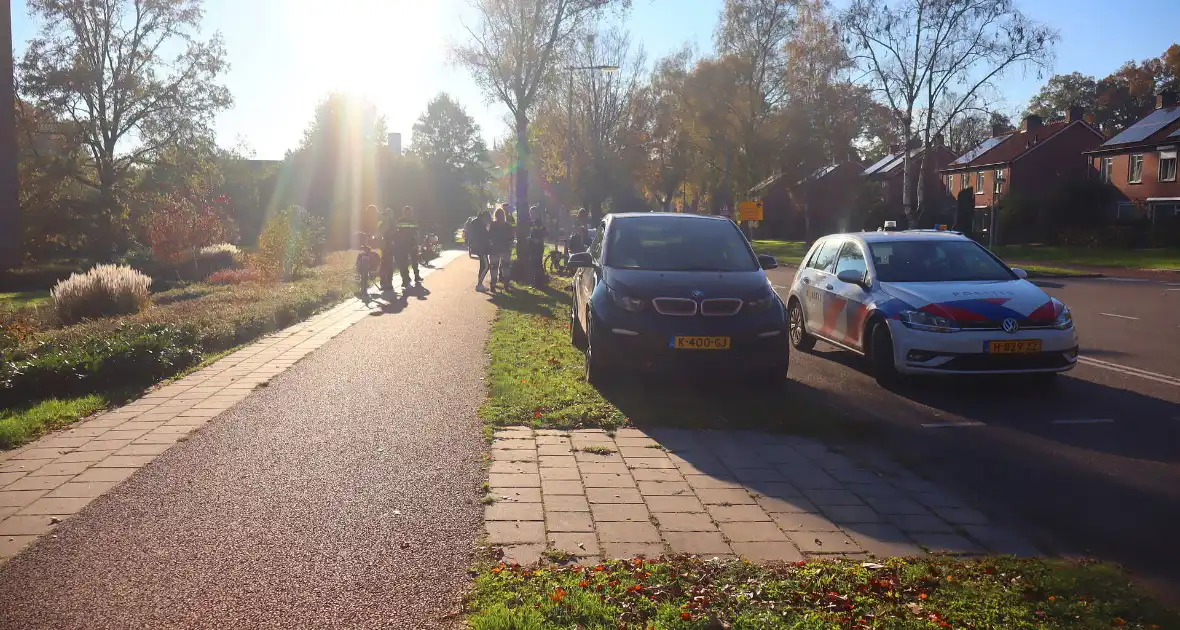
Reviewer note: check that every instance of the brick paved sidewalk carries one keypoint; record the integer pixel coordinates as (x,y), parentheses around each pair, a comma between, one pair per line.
(46,481)
(760,496)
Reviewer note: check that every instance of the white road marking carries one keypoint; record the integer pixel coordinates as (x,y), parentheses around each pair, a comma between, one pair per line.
(1130,371)
(1084,421)
(1177,289)
(777,286)
(945,425)
(1128,279)
(1119,316)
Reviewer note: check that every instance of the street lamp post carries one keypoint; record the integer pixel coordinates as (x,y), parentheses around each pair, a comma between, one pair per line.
(10,233)
(569,128)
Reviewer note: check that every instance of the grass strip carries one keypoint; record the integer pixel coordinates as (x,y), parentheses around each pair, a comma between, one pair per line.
(536,378)
(683,593)
(20,426)
(787,252)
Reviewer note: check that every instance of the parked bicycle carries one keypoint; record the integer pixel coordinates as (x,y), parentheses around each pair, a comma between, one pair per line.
(557,262)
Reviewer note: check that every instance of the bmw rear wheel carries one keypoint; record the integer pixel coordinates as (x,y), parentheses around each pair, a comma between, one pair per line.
(577,335)
(798,330)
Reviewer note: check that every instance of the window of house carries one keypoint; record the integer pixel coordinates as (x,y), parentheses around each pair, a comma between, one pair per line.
(979,181)
(1167,170)
(998,185)
(1124,212)
(1105,170)
(1135,168)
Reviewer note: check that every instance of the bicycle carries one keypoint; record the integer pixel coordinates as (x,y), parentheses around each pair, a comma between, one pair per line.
(557,260)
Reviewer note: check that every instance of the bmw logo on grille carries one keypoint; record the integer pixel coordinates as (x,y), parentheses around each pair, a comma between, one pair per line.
(698,293)
(1011,325)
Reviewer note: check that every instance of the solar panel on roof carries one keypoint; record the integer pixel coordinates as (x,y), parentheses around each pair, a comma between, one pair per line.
(1143,129)
(879,164)
(1175,134)
(986,146)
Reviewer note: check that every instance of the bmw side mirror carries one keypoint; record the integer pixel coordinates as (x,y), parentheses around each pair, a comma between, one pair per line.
(766,261)
(580,260)
(851,276)
(1020,273)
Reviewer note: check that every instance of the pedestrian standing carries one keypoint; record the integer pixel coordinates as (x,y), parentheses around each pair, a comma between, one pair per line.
(500,248)
(480,245)
(536,236)
(405,247)
(388,246)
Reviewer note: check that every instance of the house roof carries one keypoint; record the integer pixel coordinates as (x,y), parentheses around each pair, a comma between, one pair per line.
(766,183)
(1151,127)
(1010,146)
(818,174)
(890,163)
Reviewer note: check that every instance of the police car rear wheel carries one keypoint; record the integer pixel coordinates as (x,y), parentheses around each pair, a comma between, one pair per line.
(799,337)
(881,356)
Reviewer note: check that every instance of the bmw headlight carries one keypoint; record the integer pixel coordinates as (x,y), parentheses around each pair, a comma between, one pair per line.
(1064,319)
(626,303)
(761,304)
(919,320)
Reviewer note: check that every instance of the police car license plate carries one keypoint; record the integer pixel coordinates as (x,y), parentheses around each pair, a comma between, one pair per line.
(1024,346)
(700,343)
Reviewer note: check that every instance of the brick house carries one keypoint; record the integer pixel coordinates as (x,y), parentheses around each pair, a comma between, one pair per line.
(1140,163)
(888,174)
(822,203)
(1034,160)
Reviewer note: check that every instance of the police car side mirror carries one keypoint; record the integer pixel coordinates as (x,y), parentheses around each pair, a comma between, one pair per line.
(851,276)
(1020,273)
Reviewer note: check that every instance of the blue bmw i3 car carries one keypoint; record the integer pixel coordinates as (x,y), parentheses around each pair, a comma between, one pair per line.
(677,291)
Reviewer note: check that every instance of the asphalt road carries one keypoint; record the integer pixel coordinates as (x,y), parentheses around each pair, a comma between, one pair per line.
(1090,465)
(343,495)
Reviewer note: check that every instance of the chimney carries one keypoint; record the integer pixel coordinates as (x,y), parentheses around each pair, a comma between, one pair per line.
(939,139)
(1166,98)
(894,148)
(999,130)
(1075,113)
(1032,122)
(395,143)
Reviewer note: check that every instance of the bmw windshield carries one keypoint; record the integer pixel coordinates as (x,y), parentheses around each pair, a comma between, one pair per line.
(662,243)
(936,261)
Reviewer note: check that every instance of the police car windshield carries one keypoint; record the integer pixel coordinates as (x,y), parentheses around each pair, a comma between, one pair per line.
(935,261)
(663,243)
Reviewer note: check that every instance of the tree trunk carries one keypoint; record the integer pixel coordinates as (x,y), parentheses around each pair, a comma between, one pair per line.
(522,184)
(917,221)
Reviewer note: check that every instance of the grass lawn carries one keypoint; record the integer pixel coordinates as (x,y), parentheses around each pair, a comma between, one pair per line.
(1044,270)
(536,378)
(787,252)
(1162,258)
(20,426)
(928,593)
(22,299)
(52,375)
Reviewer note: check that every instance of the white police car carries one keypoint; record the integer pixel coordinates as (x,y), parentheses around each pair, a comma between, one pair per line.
(927,302)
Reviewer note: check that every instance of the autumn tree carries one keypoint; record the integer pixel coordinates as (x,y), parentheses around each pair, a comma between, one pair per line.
(133,78)
(455,158)
(1061,92)
(513,53)
(184,221)
(917,52)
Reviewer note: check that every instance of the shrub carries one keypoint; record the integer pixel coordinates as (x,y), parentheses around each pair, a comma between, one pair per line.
(235,276)
(290,240)
(219,249)
(103,291)
(183,222)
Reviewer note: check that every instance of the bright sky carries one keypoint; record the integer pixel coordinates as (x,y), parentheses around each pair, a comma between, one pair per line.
(286,55)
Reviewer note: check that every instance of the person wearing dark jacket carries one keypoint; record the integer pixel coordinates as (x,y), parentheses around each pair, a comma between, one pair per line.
(404,239)
(536,242)
(499,249)
(478,233)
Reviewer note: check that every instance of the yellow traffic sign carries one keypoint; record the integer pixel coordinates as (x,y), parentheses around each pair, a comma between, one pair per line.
(750,211)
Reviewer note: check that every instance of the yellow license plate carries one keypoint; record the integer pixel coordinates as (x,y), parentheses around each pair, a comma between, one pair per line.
(700,343)
(1026,346)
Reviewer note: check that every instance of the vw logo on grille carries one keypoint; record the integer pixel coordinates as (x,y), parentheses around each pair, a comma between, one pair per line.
(1011,325)
(698,293)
